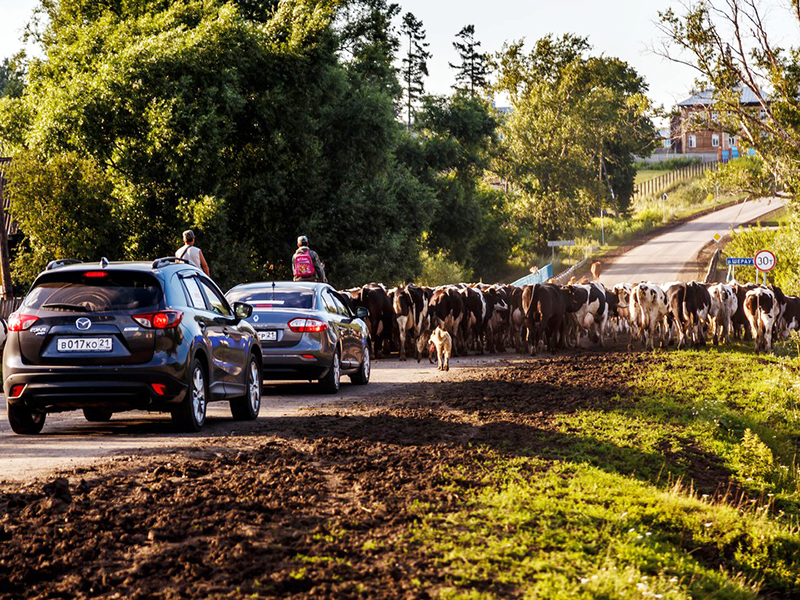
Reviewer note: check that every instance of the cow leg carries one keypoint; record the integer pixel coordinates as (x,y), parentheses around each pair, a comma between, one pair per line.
(402,323)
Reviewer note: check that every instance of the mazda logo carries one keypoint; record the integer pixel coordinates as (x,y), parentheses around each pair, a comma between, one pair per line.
(83,323)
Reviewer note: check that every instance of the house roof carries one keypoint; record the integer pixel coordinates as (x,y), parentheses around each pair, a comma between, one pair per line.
(706,97)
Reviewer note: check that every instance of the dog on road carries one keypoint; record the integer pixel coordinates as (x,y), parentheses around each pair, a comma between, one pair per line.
(442,343)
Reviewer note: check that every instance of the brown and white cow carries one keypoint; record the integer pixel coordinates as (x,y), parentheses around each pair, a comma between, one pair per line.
(622,320)
(739,322)
(376,300)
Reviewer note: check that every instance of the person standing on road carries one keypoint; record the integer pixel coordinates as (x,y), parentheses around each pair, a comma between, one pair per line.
(306,264)
(192,253)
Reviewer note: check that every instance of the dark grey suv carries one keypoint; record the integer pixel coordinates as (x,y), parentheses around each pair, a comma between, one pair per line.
(112,337)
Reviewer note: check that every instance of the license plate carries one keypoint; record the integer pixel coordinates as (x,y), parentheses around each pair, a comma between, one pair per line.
(267,336)
(103,344)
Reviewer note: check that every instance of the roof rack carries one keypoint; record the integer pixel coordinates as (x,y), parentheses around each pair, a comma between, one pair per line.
(168,260)
(55,264)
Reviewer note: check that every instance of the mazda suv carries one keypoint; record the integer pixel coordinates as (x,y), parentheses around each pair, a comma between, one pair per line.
(111,337)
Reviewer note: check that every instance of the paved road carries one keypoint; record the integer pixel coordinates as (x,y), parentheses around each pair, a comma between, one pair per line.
(68,441)
(663,258)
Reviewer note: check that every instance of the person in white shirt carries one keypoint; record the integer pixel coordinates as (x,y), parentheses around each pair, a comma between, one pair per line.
(192,253)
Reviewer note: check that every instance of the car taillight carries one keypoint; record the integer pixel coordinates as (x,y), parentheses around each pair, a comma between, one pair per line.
(164,319)
(301,325)
(20,322)
(16,390)
(159,388)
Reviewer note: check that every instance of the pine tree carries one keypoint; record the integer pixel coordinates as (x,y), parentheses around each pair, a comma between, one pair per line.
(415,63)
(473,72)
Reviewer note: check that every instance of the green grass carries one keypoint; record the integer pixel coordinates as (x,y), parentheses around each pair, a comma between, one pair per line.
(619,508)
(643,175)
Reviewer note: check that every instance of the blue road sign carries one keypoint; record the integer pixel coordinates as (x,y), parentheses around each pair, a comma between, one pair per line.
(740,262)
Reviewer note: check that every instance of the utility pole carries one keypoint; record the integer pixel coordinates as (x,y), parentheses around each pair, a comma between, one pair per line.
(602,228)
(7,290)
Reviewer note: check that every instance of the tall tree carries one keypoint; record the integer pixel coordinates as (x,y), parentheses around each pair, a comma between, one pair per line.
(472,74)
(249,129)
(415,62)
(369,40)
(576,124)
(457,137)
(12,76)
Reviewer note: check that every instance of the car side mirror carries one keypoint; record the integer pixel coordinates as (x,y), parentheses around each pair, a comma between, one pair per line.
(242,310)
(361,312)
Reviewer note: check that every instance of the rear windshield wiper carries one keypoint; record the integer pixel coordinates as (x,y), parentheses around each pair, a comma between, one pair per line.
(59,306)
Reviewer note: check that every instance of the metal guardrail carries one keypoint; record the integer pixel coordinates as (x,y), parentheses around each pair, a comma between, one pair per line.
(545,273)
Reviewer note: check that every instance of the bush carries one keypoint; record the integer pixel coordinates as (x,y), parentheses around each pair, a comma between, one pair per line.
(753,458)
(438,270)
(784,242)
(743,175)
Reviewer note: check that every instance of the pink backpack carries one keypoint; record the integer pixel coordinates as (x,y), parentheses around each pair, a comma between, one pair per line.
(303,265)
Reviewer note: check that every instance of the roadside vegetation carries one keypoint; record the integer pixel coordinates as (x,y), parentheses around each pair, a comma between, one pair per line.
(684,486)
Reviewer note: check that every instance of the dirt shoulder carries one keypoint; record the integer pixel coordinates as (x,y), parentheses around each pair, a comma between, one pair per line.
(311,505)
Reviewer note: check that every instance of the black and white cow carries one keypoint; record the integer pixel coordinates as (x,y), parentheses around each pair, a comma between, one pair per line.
(649,309)
(720,316)
(588,306)
(762,310)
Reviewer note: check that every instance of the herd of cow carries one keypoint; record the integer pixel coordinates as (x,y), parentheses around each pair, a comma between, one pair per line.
(490,318)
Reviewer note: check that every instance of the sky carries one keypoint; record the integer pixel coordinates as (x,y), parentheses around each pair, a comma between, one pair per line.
(621,28)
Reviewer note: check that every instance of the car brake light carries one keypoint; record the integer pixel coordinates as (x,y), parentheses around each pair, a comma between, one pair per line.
(159,388)
(301,325)
(16,390)
(95,274)
(20,322)
(165,319)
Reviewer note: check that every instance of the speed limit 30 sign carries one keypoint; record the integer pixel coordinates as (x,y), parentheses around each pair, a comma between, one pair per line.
(765,260)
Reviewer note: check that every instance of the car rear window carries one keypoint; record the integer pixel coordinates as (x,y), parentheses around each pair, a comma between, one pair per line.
(94,291)
(275,299)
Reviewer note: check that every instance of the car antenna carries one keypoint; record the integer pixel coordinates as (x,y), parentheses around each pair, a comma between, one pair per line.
(273,290)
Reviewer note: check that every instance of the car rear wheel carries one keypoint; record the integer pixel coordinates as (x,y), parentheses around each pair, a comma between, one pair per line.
(245,408)
(362,377)
(97,415)
(332,381)
(23,420)
(190,415)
